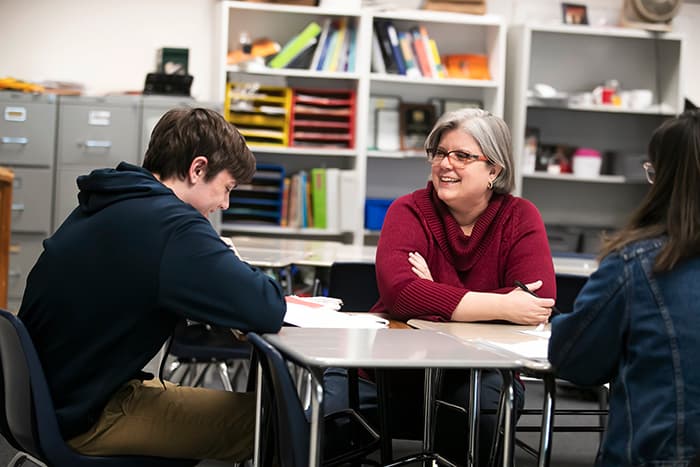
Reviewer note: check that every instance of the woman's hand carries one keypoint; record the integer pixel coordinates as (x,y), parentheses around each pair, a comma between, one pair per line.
(419,266)
(524,308)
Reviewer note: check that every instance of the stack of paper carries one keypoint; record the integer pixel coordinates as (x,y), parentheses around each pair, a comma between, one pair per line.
(309,313)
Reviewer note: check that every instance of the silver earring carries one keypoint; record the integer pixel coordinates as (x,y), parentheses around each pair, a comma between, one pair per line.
(490,185)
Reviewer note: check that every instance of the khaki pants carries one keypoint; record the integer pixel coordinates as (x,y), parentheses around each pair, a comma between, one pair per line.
(181,422)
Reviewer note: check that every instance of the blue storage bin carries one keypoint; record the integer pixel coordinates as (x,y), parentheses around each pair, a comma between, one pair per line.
(375,210)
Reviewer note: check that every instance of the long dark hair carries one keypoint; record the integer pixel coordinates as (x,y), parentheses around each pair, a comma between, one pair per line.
(672,205)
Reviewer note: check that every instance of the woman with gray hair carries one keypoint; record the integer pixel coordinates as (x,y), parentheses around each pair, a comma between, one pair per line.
(454,251)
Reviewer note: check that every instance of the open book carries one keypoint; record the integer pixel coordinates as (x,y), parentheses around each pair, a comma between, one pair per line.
(321,312)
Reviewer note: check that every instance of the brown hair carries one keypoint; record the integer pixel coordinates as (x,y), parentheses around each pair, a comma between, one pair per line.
(672,205)
(183,134)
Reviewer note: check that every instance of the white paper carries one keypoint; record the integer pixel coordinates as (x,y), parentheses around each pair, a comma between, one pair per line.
(320,317)
(536,349)
(546,334)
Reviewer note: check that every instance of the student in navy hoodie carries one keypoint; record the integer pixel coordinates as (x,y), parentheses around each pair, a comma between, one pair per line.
(135,257)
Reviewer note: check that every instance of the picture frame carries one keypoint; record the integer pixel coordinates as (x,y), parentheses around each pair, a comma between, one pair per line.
(416,121)
(574,13)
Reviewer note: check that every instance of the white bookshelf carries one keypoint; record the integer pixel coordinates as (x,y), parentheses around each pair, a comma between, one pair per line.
(379,174)
(575,59)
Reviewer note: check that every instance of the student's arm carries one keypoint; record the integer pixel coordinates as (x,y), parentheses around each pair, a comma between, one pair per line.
(202,279)
(587,344)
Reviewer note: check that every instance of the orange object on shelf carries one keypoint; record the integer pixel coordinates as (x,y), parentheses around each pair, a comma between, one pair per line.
(260,48)
(467,66)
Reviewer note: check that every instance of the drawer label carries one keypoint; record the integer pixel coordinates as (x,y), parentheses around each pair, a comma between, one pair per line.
(99,117)
(15,114)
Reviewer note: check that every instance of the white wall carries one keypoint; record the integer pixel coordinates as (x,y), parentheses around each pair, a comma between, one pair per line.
(110,45)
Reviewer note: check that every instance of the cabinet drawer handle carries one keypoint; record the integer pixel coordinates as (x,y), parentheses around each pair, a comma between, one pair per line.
(12,273)
(14,140)
(92,143)
(18,206)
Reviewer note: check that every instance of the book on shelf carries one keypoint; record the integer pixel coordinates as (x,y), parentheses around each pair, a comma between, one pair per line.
(439,68)
(284,215)
(296,45)
(395,47)
(377,58)
(423,31)
(412,70)
(421,53)
(340,42)
(352,50)
(321,45)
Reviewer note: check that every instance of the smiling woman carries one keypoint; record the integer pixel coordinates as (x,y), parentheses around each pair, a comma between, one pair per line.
(454,250)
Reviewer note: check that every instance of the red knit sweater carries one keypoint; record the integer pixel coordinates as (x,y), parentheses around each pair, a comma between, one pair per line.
(508,243)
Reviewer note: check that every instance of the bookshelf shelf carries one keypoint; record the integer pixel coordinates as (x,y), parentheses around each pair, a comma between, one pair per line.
(542,54)
(366,171)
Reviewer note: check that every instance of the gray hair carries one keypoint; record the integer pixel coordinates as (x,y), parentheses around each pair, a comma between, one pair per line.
(489,131)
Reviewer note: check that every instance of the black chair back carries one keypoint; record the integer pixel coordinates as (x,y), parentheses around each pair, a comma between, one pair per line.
(568,287)
(30,414)
(355,284)
(284,407)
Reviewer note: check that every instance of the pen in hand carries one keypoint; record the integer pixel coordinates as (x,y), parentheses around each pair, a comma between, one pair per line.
(555,310)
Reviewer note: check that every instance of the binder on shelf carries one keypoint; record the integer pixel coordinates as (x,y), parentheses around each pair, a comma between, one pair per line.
(376,103)
(296,45)
(318,197)
(385,46)
(333,199)
(348,205)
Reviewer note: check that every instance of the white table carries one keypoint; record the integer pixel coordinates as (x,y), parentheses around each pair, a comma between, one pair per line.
(323,253)
(510,337)
(317,349)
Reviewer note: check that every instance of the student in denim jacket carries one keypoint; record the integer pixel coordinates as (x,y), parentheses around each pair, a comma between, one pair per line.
(636,323)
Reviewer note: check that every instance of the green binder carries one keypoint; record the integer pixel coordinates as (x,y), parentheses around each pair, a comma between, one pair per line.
(295,46)
(318,197)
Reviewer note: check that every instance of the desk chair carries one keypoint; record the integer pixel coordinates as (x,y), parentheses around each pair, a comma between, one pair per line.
(285,422)
(197,347)
(29,414)
(355,284)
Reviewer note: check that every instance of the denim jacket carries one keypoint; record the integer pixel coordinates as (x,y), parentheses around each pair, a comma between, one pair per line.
(639,331)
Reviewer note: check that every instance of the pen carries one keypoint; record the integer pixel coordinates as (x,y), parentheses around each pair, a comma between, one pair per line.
(555,310)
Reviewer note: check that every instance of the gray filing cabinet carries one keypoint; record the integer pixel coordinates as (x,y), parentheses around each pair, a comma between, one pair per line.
(27,143)
(93,132)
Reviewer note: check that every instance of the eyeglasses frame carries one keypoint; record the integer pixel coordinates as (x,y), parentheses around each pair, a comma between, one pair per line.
(435,160)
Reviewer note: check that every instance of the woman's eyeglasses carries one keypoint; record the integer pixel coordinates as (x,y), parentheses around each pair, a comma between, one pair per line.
(649,171)
(459,159)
